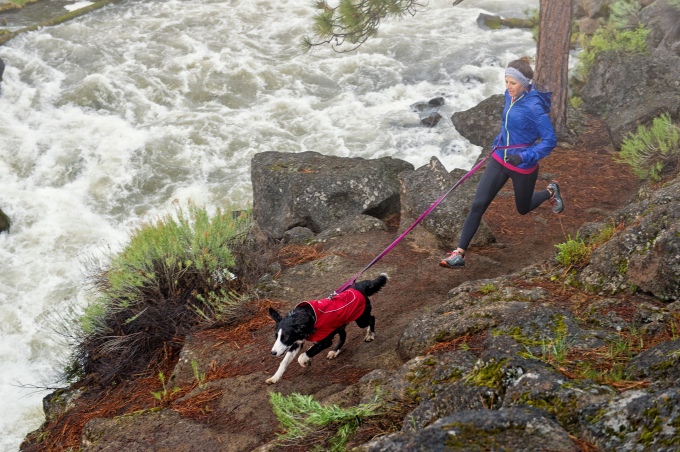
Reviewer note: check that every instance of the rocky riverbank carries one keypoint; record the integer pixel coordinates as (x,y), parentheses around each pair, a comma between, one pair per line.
(18,18)
(516,351)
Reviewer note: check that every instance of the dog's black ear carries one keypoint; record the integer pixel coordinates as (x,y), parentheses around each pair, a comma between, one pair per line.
(274,315)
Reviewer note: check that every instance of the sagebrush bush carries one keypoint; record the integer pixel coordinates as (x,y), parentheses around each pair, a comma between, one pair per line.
(176,274)
(652,151)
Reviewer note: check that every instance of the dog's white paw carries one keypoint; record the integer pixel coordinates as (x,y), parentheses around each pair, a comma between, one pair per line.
(304,360)
(333,354)
(370,335)
(272,380)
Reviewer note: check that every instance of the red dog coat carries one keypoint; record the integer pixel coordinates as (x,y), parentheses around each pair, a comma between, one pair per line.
(332,313)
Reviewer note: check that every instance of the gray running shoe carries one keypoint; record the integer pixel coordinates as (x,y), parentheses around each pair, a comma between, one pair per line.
(455,260)
(555,198)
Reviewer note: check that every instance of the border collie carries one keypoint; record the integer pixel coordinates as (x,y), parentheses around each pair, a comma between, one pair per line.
(319,321)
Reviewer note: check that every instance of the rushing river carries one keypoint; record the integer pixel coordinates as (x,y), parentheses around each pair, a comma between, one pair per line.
(109,118)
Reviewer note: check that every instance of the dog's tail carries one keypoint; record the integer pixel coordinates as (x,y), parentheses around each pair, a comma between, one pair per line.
(371,286)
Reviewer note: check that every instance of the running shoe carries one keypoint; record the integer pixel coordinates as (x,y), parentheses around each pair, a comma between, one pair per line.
(555,197)
(455,260)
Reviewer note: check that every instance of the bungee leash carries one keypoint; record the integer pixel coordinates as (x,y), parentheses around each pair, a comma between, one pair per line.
(351,281)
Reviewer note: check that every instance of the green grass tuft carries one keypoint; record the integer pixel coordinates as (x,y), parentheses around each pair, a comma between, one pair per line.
(327,427)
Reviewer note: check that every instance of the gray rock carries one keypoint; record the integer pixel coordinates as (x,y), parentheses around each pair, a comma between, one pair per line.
(539,385)
(646,254)
(623,110)
(509,311)
(593,9)
(159,430)
(431,120)
(634,421)
(422,187)
(663,22)
(489,21)
(481,124)
(603,314)
(5,222)
(660,364)
(357,224)
(59,402)
(316,191)
(509,429)
(298,235)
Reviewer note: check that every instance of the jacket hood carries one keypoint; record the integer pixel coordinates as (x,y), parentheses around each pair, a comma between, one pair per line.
(543,98)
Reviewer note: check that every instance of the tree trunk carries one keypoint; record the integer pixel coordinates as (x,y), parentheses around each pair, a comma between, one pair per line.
(552,58)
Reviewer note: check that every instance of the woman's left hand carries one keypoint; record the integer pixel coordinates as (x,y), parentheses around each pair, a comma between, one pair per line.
(514,159)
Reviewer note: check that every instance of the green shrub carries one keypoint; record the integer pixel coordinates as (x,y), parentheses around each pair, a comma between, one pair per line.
(624,13)
(573,253)
(487,288)
(575,102)
(652,151)
(306,421)
(609,38)
(172,277)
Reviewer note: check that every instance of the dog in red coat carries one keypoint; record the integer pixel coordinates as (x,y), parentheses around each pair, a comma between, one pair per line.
(319,321)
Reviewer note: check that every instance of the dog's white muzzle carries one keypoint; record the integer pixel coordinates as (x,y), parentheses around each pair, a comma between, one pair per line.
(279,348)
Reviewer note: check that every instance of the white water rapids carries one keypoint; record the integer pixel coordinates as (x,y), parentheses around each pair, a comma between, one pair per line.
(108,118)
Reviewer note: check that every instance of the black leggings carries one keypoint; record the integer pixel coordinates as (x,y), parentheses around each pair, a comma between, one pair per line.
(493,179)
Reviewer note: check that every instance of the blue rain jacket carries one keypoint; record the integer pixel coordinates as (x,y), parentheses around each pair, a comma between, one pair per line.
(524,122)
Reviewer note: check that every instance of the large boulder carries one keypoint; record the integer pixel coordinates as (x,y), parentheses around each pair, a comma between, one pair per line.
(524,429)
(422,187)
(316,191)
(481,123)
(593,9)
(654,74)
(663,22)
(634,420)
(510,311)
(654,90)
(646,254)
(492,22)
(588,14)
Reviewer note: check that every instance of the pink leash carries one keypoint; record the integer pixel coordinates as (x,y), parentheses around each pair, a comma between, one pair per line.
(423,215)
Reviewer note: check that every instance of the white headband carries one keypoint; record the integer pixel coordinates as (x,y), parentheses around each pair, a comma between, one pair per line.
(517,75)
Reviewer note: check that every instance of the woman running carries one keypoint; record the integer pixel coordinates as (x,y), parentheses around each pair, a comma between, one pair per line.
(525,124)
